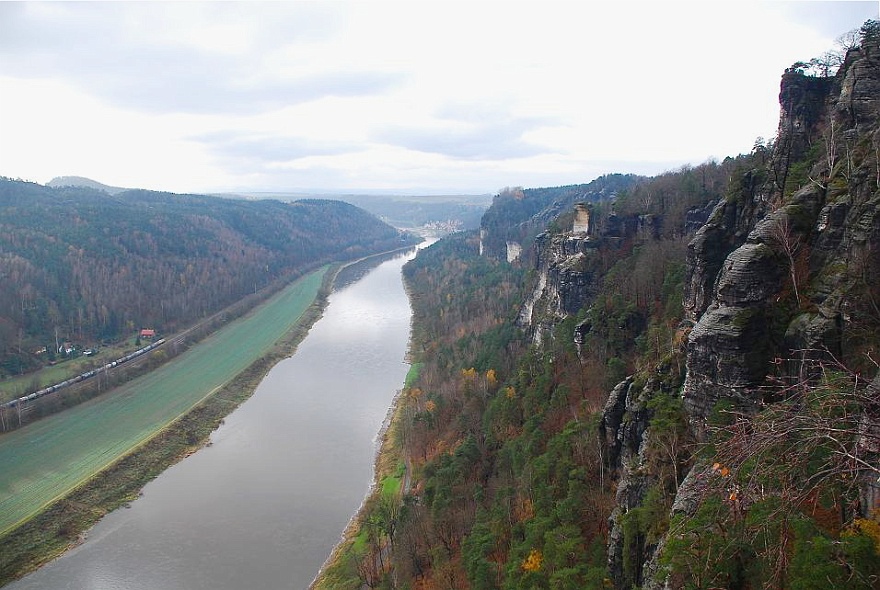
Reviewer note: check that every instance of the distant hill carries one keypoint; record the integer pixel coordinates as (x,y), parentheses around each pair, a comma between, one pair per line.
(405,211)
(81,181)
(517,215)
(419,211)
(86,266)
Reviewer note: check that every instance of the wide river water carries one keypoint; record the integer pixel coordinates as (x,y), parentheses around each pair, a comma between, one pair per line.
(263,506)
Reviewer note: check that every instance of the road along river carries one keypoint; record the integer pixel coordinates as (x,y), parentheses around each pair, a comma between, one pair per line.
(265,503)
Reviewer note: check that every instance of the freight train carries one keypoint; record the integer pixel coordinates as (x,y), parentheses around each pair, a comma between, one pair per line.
(83,376)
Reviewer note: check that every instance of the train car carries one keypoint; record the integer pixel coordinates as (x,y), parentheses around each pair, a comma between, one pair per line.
(87,375)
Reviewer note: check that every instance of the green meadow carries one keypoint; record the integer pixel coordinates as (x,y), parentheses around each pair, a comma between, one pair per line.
(48,459)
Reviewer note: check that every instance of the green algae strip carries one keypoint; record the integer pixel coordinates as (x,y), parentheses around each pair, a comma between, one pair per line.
(47,459)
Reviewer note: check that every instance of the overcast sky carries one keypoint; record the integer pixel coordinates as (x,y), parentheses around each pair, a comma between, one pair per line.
(464,96)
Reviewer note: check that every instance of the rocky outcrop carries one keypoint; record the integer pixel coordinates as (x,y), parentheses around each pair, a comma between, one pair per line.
(565,280)
(513,251)
(771,277)
(802,101)
(726,229)
(856,105)
(736,337)
(780,273)
(628,434)
(518,215)
(623,428)
(621,438)
(697,218)
(567,265)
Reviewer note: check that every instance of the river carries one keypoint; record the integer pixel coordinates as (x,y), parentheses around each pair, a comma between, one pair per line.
(264,504)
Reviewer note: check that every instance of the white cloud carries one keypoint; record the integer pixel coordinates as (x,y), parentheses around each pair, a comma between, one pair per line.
(471,96)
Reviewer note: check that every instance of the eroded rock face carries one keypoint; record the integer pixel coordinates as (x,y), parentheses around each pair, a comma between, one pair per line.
(705,255)
(727,358)
(565,281)
(697,218)
(726,229)
(750,275)
(624,427)
(765,282)
(856,105)
(802,101)
(786,289)
(733,342)
(776,278)
(622,438)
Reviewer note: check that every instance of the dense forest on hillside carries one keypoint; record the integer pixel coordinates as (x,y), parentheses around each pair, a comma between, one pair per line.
(511,486)
(80,265)
(680,394)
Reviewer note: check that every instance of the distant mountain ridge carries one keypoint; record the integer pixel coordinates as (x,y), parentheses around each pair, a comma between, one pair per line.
(400,210)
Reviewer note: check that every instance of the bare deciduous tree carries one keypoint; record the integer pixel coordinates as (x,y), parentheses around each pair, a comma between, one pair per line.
(823,434)
(788,243)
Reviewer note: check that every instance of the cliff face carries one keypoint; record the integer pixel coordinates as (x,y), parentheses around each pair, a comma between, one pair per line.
(782,272)
(771,275)
(570,265)
(518,215)
(565,280)
(779,275)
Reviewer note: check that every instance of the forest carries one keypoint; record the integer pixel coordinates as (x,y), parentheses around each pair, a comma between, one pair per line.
(83,267)
(683,395)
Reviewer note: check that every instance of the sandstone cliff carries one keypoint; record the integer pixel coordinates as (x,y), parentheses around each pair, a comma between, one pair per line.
(772,275)
(782,273)
(566,282)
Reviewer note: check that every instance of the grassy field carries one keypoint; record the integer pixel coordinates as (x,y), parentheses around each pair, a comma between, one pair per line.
(47,459)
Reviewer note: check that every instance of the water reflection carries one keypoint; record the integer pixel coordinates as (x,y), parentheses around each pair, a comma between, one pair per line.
(264,505)
(354,272)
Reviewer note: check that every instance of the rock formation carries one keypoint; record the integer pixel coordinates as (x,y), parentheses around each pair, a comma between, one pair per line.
(772,275)
(783,271)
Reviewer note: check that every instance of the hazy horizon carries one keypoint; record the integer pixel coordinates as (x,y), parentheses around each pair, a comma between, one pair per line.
(393,96)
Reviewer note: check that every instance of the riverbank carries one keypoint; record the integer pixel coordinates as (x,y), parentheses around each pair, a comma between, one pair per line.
(62,524)
(391,483)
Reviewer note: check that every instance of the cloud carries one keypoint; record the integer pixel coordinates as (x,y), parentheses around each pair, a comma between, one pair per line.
(471,131)
(206,95)
(206,86)
(834,18)
(225,58)
(245,150)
